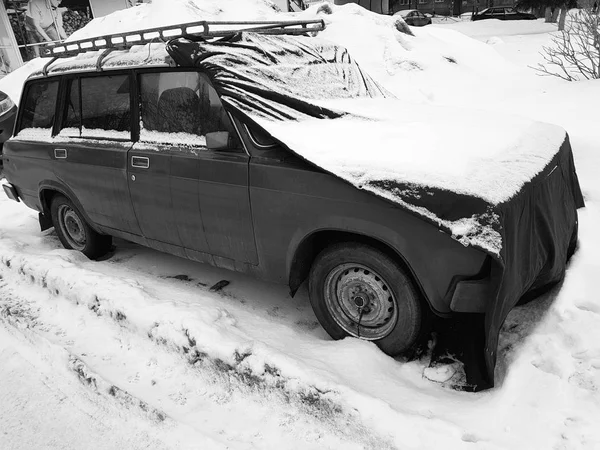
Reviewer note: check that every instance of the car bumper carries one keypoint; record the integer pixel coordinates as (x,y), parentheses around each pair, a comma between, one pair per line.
(10,192)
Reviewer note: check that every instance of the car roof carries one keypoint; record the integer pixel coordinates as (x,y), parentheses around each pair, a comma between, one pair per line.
(405,12)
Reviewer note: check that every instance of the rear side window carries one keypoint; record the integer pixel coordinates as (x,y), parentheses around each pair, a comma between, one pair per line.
(180,108)
(39,105)
(98,107)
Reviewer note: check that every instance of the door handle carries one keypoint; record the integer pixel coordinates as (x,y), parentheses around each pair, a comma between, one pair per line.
(60,153)
(140,162)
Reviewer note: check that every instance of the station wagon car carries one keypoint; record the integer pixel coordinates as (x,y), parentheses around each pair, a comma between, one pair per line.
(179,148)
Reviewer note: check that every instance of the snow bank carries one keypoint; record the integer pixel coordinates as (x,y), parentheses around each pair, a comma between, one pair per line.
(436,65)
(171,12)
(408,66)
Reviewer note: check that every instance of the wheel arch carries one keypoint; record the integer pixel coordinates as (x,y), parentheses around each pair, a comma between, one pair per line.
(308,249)
(48,190)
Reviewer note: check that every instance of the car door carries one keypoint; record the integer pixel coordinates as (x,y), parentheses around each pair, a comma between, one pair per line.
(203,194)
(511,14)
(421,20)
(90,148)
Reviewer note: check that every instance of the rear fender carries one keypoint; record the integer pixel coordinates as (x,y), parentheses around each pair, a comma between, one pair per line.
(49,188)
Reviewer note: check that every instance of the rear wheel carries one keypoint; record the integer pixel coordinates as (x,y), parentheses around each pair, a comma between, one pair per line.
(74,232)
(357,290)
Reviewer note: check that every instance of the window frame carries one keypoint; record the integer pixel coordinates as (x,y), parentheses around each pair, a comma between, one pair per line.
(63,94)
(137,72)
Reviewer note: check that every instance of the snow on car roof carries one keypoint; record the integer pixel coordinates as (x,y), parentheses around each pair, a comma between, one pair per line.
(140,55)
(404,12)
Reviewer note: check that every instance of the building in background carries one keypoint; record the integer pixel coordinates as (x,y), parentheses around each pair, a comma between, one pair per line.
(435,7)
(20,42)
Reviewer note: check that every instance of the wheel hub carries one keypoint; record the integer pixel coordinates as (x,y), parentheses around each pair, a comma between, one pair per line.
(72,227)
(360,301)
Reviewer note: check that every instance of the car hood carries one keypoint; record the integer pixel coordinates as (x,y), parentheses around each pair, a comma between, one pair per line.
(452,166)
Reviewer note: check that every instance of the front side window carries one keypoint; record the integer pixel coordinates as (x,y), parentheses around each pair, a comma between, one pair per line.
(39,105)
(98,107)
(180,109)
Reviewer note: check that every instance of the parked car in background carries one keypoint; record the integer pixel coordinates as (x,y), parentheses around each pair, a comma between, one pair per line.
(414,18)
(8,114)
(502,13)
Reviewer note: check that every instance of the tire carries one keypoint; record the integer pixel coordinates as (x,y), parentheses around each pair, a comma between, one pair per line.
(73,230)
(346,275)
(573,242)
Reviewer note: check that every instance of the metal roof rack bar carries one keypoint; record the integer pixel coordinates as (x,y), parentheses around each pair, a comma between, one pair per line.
(203,29)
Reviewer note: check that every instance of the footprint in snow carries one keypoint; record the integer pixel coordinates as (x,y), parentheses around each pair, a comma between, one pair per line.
(588,306)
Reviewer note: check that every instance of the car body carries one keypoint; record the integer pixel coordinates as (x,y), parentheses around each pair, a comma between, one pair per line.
(502,13)
(414,18)
(8,114)
(171,152)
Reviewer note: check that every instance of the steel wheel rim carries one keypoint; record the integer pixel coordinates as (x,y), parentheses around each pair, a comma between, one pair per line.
(72,227)
(354,288)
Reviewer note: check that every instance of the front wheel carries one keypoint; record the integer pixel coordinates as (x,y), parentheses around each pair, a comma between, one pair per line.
(74,232)
(357,290)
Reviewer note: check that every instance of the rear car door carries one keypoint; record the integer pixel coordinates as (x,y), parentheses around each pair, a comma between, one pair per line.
(498,13)
(204,198)
(90,149)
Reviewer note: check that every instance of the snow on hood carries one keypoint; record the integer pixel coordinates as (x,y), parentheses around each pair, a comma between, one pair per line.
(408,153)
(475,153)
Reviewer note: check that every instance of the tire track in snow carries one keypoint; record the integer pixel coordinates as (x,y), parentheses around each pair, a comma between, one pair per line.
(228,377)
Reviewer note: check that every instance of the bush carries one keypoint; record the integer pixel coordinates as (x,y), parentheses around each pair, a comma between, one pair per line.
(575,52)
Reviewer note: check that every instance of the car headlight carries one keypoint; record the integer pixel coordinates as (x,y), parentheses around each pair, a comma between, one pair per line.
(5,103)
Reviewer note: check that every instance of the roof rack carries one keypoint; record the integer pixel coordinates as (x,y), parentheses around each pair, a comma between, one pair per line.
(202,29)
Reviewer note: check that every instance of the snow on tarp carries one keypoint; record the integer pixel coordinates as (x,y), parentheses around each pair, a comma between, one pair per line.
(504,185)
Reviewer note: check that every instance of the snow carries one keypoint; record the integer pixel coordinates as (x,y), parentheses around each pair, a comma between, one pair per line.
(98,354)
(44,134)
(491,164)
(181,138)
(148,54)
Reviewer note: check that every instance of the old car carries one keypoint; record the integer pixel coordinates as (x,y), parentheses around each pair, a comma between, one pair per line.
(414,18)
(279,157)
(502,13)
(8,114)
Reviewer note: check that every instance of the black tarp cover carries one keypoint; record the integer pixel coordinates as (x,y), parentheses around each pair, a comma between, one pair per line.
(275,77)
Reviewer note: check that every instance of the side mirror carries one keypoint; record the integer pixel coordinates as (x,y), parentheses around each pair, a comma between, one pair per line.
(218,140)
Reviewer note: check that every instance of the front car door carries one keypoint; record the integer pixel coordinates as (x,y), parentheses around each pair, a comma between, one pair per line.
(421,20)
(203,194)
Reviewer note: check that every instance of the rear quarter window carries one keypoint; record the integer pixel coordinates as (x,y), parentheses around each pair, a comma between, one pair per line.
(39,105)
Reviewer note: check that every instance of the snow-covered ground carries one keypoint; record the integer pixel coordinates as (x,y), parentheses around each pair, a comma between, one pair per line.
(137,352)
